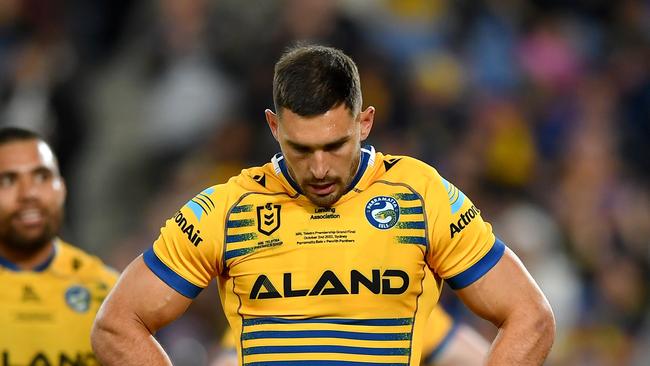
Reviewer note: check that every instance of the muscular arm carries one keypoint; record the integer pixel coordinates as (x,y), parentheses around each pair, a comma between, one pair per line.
(509,298)
(137,307)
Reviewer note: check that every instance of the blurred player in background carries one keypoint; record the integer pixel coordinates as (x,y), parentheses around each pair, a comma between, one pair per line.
(51,290)
(446,343)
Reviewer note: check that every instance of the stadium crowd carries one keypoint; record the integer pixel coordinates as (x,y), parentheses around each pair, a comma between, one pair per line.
(538,110)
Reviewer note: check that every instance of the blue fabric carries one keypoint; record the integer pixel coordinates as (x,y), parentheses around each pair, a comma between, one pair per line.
(171,278)
(479,268)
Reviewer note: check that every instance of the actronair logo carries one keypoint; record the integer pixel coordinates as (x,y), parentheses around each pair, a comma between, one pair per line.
(193,234)
(465,219)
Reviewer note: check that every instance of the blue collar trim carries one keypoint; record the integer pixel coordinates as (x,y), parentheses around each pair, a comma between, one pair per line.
(4,262)
(367,157)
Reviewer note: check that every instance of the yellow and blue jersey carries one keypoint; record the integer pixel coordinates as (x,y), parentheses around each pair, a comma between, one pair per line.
(439,330)
(46,314)
(350,284)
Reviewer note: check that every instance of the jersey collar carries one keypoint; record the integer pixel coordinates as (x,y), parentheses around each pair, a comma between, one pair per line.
(367,159)
(4,262)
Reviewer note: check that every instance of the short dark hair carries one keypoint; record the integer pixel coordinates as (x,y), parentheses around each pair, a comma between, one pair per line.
(11,134)
(310,80)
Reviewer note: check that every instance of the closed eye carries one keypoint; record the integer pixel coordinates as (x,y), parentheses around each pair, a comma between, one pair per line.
(7,179)
(335,145)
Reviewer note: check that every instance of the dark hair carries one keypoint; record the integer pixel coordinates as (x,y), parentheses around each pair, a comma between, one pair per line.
(310,80)
(11,134)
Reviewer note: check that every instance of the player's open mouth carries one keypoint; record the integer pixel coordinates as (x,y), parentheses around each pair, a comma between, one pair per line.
(322,189)
(29,217)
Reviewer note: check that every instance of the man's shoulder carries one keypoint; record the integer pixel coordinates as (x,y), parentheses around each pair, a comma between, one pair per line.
(258,179)
(405,168)
(221,197)
(76,261)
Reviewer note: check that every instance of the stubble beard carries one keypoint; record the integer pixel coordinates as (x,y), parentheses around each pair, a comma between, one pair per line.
(332,198)
(17,241)
(327,200)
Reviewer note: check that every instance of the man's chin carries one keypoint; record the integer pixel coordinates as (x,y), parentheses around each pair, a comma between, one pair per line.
(324,201)
(31,242)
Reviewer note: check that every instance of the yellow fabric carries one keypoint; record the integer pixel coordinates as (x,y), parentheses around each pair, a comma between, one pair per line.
(438,327)
(306,283)
(45,317)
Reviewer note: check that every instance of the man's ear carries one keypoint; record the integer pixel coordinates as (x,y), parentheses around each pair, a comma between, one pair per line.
(272,119)
(366,118)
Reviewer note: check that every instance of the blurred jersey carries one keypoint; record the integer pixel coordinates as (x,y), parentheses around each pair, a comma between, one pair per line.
(46,314)
(310,285)
(438,331)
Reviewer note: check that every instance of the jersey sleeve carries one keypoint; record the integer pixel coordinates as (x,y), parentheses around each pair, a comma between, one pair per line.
(186,255)
(463,247)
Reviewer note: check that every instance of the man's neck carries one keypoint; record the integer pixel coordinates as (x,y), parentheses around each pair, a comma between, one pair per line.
(27,260)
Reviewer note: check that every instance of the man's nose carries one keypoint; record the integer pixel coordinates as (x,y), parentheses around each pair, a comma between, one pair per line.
(318,165)
(26,188)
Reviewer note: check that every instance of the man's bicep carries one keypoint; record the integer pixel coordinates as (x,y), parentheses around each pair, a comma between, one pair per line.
(141,296)
(504,288)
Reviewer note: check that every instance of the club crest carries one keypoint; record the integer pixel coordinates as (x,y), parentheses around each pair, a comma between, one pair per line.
(78,298)
(382,212)
(268,218)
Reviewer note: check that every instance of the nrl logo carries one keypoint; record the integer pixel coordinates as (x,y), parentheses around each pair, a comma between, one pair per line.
(268,218)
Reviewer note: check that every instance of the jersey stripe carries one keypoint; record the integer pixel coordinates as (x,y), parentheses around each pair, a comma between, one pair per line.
(369,322)
(411,225)
(321,363)
(207,198)
(240,237)
(407,196)
(419,240)
(326,349)
(243,208)
(326,334)
(410,210)
(230,254)
(196,208)
(240,223)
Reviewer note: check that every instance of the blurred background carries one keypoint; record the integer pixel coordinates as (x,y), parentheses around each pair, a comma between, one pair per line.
(538,110)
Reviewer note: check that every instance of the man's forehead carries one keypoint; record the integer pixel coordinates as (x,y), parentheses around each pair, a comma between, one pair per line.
(27,155)
(334,121)
(46,154)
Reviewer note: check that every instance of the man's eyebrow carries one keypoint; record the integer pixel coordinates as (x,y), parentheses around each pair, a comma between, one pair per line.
(334,143)
(37,169)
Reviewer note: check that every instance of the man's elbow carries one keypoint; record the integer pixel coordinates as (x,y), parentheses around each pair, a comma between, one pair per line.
(544,325)
(101,334)
(110,333)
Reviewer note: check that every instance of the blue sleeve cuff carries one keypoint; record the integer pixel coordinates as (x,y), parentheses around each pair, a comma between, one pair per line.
(171,278)
(479,268)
